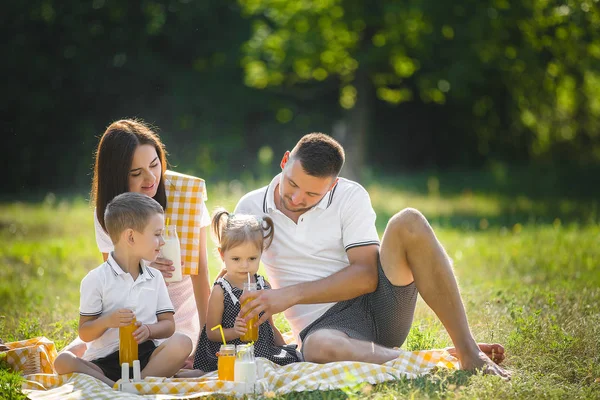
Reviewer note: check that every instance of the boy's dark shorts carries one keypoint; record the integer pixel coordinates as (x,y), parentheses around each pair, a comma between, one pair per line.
(111,367)
(384,316)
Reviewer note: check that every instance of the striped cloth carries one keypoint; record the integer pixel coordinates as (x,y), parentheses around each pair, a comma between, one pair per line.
(273,379)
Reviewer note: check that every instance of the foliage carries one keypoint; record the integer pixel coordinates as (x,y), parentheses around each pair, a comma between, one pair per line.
(444,83)
(10,385)
(522,76)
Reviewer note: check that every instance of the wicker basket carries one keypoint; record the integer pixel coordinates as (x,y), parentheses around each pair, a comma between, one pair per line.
(31,356)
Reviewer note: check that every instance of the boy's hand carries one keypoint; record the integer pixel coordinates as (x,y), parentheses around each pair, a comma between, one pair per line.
(120,317)
(240,326)
(142,333)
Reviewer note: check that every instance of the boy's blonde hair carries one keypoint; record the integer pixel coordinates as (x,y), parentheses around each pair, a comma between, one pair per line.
(129,210)
(231,230)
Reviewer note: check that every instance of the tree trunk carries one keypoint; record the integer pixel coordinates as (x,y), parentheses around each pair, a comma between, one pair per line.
(351,132)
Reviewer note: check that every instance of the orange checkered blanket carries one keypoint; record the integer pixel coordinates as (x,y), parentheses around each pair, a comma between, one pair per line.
(273,379)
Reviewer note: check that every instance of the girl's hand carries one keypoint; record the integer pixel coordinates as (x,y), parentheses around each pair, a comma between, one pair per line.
(142,333)
(120,317)
(240,326)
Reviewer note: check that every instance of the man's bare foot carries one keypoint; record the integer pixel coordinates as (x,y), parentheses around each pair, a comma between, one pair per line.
(486,360)
(189,373)
(481,362)
(493,351)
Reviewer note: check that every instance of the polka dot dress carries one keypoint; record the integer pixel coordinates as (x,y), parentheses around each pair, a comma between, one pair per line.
(205,358)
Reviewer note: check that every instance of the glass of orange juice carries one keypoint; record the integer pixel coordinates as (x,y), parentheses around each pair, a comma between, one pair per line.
(251,334)
(226,362)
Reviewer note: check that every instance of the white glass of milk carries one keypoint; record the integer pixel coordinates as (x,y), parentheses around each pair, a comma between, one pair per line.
(245,366)
(172,251)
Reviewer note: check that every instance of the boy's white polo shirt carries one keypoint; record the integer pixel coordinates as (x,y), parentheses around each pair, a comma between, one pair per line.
(315,248)
(108,288)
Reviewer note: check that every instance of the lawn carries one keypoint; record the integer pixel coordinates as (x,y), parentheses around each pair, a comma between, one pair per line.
(527,265)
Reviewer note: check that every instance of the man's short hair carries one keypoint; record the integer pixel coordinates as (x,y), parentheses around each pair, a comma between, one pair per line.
(320,155)
(129,210)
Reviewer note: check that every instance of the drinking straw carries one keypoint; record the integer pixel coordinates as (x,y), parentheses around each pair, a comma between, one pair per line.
(248,278)
(222,335)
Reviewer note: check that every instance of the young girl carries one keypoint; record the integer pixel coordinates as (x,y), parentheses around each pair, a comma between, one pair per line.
(241,240)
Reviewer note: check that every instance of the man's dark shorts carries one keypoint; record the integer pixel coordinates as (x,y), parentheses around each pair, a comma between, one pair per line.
(110,364)
(383,317)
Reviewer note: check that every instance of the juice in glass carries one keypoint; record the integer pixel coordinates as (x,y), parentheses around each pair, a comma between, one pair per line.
(251,334)
(128,347)
(226,362)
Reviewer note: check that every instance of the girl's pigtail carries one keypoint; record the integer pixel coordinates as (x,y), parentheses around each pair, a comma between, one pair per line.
(219,222)
(269,228)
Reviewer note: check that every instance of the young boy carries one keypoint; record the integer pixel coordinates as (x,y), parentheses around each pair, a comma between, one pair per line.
(123,288)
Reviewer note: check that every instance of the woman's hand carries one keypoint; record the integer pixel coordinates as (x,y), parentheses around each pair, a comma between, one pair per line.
(142,333)
(164,265)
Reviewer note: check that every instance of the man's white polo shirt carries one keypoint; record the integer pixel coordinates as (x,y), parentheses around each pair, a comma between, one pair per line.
(315,248)
(108,288)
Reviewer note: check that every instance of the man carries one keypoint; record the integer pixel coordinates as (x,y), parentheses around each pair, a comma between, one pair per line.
(346,295)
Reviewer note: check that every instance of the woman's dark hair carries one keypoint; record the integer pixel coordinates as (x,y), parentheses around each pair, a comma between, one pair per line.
(114,156)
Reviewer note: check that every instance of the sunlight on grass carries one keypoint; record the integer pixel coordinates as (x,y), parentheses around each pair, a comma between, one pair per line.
(528,275)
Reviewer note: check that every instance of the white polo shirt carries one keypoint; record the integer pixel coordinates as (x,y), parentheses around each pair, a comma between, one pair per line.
(315,248)
(108,288)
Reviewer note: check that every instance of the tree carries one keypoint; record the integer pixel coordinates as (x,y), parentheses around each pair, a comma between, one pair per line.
(511,77)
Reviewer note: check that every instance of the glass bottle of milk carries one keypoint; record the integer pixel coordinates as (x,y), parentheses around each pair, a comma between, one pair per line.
(172,251)
(245,367)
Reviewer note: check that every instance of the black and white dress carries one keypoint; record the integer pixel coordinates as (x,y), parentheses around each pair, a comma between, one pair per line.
(205,358)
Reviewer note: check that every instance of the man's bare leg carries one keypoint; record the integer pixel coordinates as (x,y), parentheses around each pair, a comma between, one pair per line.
(411,252)
(328,345)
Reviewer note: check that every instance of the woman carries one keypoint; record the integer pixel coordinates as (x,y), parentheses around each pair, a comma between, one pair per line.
(131,157)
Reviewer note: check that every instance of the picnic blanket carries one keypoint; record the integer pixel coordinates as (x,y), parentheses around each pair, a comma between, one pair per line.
(274,379)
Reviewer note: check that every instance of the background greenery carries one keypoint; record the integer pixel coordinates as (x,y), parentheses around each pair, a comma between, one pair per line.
(404,85)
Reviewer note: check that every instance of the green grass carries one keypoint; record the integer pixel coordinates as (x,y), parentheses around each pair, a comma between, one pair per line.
(527,265)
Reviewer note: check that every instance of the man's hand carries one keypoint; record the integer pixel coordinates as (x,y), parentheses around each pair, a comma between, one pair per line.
(270,302)
(120,317)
